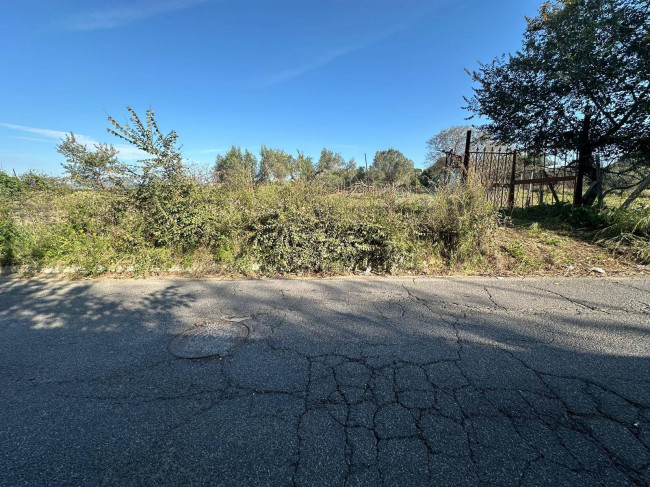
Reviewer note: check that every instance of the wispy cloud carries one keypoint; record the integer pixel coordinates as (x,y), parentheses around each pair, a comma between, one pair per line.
(126,152)
(50,134)
(317,63)
(208,151)
(33,139)
(331,56)
(115,17)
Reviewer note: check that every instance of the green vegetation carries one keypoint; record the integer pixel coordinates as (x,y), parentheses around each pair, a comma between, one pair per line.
(625,230)
(273,228)
(281,215)
(271,216)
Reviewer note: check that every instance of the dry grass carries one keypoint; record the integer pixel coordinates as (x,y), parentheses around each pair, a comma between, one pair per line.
(526,251)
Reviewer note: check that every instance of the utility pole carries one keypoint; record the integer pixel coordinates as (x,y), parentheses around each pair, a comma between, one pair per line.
(366,159)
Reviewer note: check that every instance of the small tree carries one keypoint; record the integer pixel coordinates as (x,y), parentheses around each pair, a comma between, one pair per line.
(94,169)
(275,165)
(164,193)
(330,161)
(166,162)
(236,167)
(392,167)
(303,167)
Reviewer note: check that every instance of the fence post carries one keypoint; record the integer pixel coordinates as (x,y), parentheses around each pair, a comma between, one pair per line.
(468,143)
(447,164)
(511,191)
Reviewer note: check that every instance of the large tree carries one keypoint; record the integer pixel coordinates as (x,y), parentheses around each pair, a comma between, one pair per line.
(580,82)
(392,167)
(453,139)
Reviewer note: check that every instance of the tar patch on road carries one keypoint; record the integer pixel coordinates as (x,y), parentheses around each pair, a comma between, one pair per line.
(209,339)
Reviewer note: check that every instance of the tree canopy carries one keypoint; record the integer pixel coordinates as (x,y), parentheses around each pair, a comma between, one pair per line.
(95,169)
(393,167)
(165,162)
(330,161)
(275,164)
(581,79)
(236,167)
(453,139)
(303,167)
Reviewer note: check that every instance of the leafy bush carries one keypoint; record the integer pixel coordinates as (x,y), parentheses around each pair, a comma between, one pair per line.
(9,185)
(169,212)
(8,236)
(330,233)
(34,181)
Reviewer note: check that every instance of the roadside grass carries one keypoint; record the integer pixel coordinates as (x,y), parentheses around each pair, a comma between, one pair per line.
(288,229)
(621,233)
(527,250)
(274,229)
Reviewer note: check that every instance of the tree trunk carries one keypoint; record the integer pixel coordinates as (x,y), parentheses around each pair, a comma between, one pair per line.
(643,185)
(591,194)
(584,158)
(599,175)
(595,189)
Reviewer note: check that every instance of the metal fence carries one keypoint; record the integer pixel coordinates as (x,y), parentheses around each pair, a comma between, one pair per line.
(517,178)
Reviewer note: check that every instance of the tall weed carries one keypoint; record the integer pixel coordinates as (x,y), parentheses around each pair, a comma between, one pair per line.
(459,221)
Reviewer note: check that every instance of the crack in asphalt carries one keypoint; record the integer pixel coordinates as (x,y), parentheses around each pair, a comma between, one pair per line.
(356,413)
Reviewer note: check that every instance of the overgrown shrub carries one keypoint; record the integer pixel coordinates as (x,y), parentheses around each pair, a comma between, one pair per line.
(276,228)
(459,220)
(8,236)
(169,210)
(9,185)
(629,230)
(330,233)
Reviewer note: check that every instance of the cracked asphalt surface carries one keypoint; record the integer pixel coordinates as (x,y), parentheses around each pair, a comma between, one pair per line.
(340,382)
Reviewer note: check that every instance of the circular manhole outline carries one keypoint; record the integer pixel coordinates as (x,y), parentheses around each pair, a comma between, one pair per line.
(208,339)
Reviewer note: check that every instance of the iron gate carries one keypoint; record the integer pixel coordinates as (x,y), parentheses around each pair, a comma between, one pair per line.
(517,178)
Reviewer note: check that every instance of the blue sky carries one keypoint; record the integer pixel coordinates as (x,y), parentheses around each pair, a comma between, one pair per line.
(355,76)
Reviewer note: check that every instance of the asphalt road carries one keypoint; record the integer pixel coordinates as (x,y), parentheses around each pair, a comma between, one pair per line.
(337,382)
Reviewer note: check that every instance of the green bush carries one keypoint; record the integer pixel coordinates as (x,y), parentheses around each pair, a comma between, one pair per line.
(170,212)
(8,237)
(9,185)
(330,234)
(459,220)
(276,228)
